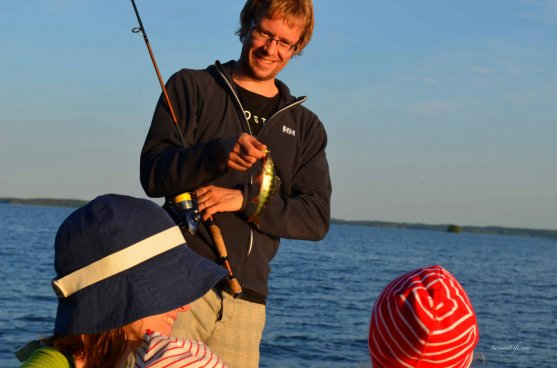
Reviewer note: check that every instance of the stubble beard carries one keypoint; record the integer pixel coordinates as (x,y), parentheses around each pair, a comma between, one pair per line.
(261,75)
(250,64)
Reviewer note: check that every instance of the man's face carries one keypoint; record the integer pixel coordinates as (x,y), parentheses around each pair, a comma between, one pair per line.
(262,56)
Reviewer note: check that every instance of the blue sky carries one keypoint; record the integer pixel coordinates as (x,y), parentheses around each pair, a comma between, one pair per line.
(436,111)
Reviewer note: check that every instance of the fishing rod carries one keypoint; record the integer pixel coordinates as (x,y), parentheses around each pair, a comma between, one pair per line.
(141,30)
(186,198)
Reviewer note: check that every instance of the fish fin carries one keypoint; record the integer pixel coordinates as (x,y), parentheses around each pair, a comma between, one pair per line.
(254,219)
(276,185)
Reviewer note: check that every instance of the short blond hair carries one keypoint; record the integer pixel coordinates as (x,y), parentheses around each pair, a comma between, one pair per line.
(294,12)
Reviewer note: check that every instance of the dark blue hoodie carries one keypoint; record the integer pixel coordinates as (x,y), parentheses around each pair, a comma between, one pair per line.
(211,119)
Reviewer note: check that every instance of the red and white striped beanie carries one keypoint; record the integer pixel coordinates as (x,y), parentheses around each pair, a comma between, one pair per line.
(423,319)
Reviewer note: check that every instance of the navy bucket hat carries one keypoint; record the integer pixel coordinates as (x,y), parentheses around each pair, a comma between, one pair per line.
(119,259)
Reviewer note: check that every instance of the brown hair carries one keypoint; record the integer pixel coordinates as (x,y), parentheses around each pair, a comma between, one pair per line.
(294,12)
(102,349)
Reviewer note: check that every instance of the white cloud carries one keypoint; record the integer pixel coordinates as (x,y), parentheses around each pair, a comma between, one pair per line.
(541,10)
(432,109)
(415,78)
(481,69)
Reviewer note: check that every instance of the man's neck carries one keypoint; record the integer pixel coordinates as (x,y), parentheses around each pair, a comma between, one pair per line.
(265,88)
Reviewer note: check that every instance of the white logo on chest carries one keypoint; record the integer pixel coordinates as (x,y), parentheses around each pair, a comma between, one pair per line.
(287,130)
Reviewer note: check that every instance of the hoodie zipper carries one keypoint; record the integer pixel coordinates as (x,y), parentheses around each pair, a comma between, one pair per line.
(237,100)
(298,101)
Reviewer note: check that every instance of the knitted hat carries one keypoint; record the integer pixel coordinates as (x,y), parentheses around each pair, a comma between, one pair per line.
(423,319)
(119,259)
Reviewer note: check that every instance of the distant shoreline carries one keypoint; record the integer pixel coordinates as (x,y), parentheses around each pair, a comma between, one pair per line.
(49,202)
(490,230)
(494,230)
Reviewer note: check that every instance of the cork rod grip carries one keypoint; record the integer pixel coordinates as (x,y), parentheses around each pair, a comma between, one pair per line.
(221,249)
(219,241)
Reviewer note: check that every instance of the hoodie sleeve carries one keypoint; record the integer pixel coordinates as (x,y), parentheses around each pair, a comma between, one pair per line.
(168,167)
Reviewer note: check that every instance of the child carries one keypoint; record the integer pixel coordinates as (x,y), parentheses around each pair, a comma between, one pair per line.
(124,272)
(423,319)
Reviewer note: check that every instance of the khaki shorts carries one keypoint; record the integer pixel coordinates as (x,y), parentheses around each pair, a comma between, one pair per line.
(234,337)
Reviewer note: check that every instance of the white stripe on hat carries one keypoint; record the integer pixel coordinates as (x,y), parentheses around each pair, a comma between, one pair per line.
(118,262)
(452,340)
(462,348)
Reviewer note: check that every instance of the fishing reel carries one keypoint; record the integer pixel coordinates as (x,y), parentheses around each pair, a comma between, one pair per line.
(185,211)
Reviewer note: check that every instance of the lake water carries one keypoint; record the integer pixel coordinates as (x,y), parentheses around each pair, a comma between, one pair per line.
(322,293)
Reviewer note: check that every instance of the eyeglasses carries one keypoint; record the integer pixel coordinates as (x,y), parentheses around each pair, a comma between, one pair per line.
(266,37)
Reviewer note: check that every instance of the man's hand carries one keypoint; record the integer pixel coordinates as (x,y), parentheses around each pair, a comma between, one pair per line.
(245,153)
(212,199)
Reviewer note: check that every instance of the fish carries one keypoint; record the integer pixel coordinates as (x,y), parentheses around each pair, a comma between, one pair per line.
(269,182)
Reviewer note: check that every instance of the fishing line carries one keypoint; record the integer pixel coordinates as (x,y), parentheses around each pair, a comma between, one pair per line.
(176,202)
(141,30)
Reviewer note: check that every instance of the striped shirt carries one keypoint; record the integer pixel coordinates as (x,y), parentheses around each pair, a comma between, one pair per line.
(160,351)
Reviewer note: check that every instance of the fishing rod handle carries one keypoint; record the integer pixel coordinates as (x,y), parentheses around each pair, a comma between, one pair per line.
(218,239)
(235,287)
(233,282)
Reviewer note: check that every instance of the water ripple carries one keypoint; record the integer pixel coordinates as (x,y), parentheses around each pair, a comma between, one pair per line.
(322,293)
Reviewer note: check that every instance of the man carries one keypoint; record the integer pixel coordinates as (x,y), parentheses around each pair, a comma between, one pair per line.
(229,115)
